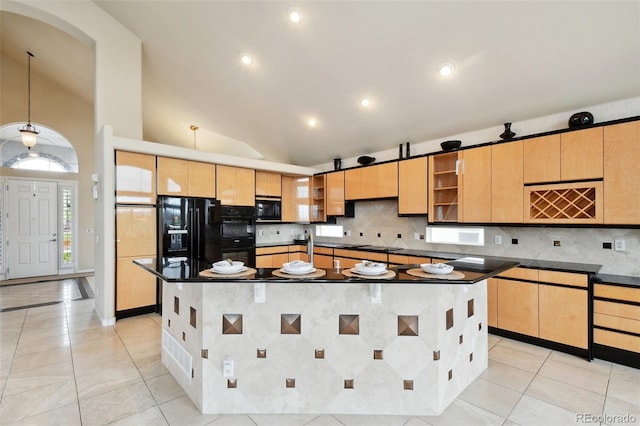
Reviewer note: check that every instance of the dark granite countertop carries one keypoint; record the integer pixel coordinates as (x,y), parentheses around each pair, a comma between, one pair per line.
(525,263)
(189,270)
(618,279)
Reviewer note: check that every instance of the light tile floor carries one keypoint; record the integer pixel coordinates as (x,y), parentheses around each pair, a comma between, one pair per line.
(59,366)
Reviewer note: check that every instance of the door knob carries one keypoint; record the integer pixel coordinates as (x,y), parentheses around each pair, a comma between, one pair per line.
(53,239)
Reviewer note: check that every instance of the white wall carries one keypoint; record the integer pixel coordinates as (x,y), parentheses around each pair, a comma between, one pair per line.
(118,102)
(603,112)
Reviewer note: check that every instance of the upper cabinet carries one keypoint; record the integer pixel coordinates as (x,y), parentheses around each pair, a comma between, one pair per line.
(295,198)
(135,178)
(268,184)
(186,178)
(202,179)
(317,212)
(476,184)
(444,184)
(506,182)
(459,186)
(581,154)
(622,173)
(569,156)
(541,159)
(235,186)
(334,193)
(413,176)
(371,182)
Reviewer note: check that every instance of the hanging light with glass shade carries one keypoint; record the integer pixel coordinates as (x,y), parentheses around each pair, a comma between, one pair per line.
(28,131)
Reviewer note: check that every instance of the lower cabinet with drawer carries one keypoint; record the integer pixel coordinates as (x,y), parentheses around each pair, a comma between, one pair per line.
(616,323)
(275,256)
(542,307)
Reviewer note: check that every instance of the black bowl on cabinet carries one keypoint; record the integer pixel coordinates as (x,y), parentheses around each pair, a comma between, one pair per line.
(366,160)
(450,145)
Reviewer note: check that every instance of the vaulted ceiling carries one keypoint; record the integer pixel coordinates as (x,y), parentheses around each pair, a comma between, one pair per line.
(513,61)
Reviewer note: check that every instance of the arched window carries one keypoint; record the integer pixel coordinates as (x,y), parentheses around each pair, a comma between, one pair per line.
(53,152)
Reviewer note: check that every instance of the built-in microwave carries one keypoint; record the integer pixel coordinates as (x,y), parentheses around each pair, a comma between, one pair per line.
(268,210)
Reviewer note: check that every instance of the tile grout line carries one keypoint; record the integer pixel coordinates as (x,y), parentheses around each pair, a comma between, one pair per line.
(73,364)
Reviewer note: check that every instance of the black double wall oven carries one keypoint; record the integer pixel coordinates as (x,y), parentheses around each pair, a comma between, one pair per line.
(235,234)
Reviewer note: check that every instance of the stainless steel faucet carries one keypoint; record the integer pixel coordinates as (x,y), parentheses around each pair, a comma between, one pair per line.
(310,247)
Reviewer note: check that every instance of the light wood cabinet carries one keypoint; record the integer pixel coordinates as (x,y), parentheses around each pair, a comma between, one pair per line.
(492,302)
(298,252)
(135,287)
(616,323)
(135,239)
(622,173)
(518,306)
(135,178)
(202,179)
(541,159)
(186,178)
(575,155)
(372,182)
(334,193)
(295,199)
(476,185)
(563,314)
(235,186)
(413,189)
(507,182)
(268,184)
(135,231)
(549,305)
(444,183)
(400,259)
(173,176)
(317,212)
(459,186)
(271,257)
(581,154)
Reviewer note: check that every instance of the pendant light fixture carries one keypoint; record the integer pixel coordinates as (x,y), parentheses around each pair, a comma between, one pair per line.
(28,131)
(195,129)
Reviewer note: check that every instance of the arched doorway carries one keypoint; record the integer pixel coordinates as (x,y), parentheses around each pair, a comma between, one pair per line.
(40,223)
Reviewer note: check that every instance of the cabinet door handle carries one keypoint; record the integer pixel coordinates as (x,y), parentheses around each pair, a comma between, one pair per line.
(457,167)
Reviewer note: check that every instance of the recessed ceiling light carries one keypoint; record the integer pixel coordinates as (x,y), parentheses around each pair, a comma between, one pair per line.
(247,60)
(447,69)
(312,122)
(366,102)
(295,15)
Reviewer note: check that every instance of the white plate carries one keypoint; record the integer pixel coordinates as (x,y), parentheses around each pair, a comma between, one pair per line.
(298,271)
(228,272)
(361,272)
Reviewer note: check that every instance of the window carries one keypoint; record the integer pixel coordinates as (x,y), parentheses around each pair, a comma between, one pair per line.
(52,153)
(67,226)
(450,235)
(329,231)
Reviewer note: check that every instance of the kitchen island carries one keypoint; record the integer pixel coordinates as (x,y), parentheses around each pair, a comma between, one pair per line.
(402,345)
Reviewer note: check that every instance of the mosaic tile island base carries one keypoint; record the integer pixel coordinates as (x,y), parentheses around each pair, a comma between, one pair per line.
(317,347)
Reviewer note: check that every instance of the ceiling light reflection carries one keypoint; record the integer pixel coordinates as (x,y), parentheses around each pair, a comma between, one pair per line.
(447,69)
(295,15)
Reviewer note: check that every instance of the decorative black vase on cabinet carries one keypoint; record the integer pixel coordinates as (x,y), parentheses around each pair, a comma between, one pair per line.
(508,134)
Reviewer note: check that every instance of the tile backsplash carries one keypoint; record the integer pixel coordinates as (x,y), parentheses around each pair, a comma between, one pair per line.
(579,245)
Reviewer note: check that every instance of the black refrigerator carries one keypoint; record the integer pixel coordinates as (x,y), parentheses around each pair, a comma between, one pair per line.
(187,228)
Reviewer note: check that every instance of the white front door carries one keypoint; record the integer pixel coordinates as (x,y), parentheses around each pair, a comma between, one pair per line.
(32,228)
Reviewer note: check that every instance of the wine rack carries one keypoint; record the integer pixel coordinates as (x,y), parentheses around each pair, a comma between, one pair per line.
(564,203)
